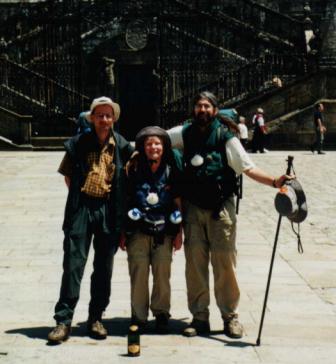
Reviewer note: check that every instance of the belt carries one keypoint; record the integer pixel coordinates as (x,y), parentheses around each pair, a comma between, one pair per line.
(94,201)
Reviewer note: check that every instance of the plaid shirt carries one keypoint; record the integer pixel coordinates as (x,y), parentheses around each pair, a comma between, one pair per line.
(100,172)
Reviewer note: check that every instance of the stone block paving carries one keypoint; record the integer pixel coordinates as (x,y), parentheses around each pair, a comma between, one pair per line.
(300,322)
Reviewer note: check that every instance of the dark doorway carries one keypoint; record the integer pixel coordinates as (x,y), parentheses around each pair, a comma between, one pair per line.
(137,94)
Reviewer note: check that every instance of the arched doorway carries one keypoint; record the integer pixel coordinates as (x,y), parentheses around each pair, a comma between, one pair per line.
(138,96)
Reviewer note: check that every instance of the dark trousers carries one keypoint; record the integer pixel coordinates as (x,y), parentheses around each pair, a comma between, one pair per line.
(258,141)
(318,140)
(90,220)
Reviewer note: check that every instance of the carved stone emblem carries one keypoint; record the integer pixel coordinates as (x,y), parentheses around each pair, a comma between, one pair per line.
(137,35)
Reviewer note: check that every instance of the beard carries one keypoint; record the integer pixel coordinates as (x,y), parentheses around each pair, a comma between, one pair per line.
(203,118)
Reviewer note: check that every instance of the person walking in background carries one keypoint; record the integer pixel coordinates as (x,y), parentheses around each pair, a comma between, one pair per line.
(259,132)
(320,129)
(243,131)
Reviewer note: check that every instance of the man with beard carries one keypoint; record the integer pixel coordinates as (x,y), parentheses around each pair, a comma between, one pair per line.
(213,157)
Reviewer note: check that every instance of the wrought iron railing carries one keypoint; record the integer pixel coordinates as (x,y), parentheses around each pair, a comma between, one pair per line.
(198,47)
(245,15)
(26,91)
(230,86)
(36,86)
(250,13)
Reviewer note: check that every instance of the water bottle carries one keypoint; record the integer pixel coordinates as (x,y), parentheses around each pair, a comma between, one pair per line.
(133,341)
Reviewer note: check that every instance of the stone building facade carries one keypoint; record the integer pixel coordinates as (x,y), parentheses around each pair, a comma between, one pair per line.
(153,56)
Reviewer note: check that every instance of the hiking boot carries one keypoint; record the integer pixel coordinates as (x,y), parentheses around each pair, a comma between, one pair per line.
(197,327)
(320,152)
(59,333)
(233,328)
(312,149)
(161,323)
(96,330)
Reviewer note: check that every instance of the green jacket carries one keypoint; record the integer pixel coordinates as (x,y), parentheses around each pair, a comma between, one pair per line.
(78,148)
(212,181)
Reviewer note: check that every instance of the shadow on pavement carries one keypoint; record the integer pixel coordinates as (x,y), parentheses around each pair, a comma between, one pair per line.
(117,326)
(43,331)
(232,343)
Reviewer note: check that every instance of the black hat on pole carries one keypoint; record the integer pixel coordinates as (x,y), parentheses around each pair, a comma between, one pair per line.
(291,202)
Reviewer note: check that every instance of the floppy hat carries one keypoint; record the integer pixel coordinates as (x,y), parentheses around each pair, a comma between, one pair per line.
(152,131)
(103,100)
(291,202)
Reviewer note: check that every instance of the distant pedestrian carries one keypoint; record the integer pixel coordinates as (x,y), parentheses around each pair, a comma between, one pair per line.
(276,81)
(320,129)
(243,131)
(259,132)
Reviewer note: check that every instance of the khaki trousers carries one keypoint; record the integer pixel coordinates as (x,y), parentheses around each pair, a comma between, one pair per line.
(141,255)
(209,239)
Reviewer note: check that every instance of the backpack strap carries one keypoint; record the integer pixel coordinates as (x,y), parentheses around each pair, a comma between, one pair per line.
(185,130)
(221,131)
(222,136)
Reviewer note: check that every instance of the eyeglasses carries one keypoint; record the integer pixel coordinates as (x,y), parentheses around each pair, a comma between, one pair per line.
(102,116)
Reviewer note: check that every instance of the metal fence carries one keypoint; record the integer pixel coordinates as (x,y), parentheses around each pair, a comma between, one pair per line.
(195,48)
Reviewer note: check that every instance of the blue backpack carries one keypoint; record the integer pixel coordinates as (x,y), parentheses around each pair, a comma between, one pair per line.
(83,125)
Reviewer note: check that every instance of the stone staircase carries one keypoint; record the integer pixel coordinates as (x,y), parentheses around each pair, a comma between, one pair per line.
(250,19)
(289,111)
(244,73)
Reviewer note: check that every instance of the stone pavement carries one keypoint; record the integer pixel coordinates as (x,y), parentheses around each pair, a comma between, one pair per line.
(300,322)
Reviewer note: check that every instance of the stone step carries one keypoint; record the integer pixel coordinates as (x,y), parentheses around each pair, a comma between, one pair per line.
(49,142)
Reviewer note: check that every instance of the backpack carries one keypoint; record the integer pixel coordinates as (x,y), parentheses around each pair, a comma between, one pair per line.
(229,113)
(153,217)
(233,115)
(83,125)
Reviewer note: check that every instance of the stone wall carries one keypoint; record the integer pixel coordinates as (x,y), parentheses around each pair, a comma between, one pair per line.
(15,127)
(282,101)
(297,131)
(289,111)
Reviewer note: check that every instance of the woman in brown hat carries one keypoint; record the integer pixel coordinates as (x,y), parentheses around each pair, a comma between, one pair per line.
(153,227)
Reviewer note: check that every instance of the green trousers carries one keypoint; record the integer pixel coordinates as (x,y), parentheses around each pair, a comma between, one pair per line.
(90,220)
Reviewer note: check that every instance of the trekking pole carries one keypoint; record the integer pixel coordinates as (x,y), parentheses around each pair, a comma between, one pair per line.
(289,167)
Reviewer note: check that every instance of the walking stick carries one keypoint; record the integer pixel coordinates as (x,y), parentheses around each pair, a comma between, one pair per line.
(289,167)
